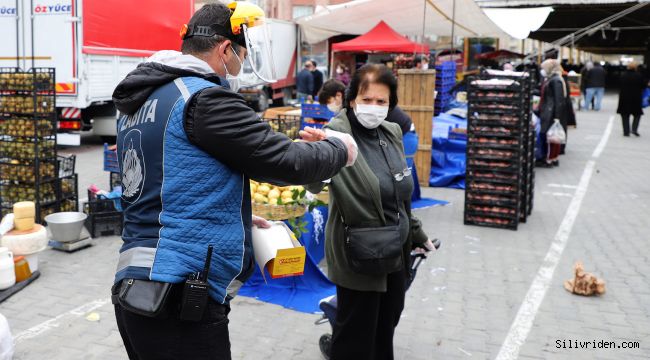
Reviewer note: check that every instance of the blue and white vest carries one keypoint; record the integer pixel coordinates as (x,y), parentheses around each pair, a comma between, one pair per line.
(177,199)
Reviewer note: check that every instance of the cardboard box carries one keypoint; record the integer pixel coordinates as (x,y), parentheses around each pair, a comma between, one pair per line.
(277,250)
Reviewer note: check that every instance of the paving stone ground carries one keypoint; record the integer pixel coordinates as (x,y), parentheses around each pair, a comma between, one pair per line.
(465,297)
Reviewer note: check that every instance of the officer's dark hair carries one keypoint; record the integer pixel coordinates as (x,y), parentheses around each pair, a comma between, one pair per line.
(372,74)
(329,90)
(209,14)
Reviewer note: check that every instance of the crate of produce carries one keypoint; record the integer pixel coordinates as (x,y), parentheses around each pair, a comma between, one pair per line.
(111,163)
(286,124)
(316,111)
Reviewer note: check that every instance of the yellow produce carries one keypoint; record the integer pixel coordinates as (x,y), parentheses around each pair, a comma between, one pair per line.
(286,194)
(287,200)
(253,188)
(273,201)
(259,198)
(263,189)
(274,194)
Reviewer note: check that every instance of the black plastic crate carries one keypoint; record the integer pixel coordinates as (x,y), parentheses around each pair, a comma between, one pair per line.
(97,205)
(476,220)
(104,224)
(66,165)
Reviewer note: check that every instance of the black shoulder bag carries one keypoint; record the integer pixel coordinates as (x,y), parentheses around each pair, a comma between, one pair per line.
(375,250)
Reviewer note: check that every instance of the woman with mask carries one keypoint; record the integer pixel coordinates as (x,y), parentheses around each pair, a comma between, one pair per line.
(342,74)
(331,95)
(553,105)
(370,231)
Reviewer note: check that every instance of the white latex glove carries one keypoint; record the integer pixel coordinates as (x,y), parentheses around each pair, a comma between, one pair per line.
(349,142)
(7,224)
(261,222)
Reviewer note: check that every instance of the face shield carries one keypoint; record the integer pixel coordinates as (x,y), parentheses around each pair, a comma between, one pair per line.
(249,20)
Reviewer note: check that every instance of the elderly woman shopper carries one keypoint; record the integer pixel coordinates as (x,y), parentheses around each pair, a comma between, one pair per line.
(630,99)
(554,104)
(370,231)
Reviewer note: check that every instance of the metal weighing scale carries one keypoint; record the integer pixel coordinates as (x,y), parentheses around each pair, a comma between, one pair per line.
(66,231)
(84,241)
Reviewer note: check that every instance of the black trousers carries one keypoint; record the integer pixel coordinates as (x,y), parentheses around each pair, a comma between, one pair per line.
(168,337)
(366,321)
(626,123)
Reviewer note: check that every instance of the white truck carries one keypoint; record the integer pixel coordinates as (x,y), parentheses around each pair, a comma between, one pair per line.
(284,40)
(92,44)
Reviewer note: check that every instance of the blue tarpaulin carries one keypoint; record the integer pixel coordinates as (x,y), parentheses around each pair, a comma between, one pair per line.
(447,154)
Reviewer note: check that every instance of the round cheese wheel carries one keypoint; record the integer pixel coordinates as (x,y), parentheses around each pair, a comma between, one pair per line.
(24,224)
(24,210)
(26,242)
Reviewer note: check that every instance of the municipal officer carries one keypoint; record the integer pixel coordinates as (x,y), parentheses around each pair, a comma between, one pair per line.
(188,144)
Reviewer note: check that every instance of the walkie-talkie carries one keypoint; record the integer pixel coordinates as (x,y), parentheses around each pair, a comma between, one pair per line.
(195,292)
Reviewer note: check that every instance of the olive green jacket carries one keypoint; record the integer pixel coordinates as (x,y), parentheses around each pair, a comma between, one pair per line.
(354,191)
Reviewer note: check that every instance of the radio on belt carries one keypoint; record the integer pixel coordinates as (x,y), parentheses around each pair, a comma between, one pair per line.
(195,292)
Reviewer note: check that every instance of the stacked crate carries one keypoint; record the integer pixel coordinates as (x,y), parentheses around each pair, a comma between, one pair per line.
(496,152)
(30,169)
(415,94)
(528,168)
(445,81)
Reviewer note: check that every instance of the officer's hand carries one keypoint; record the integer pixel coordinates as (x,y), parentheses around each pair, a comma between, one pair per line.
(349,142)
(261,222)
(310,134)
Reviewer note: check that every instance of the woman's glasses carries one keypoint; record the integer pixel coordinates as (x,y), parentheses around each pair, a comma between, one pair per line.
(401,175)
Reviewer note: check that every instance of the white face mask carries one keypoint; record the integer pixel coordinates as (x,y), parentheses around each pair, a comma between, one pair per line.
(233,80)
(543,73)
(370,116)
(333,107)
(425,66)
(339,71)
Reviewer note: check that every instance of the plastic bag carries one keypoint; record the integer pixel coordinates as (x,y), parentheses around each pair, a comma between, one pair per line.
(645,102)
(556,134)
(6,341)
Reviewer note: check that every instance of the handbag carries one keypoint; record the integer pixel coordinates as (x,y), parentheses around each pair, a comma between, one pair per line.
(375,250)
(142,297)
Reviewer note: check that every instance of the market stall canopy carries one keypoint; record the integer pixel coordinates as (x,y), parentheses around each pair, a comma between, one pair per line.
(629,34)
(500,54)
(407,17)
(382,38)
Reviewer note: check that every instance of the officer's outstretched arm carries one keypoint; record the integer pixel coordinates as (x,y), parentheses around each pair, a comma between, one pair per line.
(219,122)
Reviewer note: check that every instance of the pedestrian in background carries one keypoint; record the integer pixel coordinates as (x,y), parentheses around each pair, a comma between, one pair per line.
(331,95)
(629,99)
(318,78)
(595,87)
(305,82)
(584,73)
(342,74)
(371,197)
(553,105)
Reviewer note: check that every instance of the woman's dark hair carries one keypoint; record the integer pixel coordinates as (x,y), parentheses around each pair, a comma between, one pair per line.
(329,90)
(372,74)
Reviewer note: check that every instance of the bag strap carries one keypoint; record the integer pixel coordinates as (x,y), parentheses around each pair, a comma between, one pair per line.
(383,144)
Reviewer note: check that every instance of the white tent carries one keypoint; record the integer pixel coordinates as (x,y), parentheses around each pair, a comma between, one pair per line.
(407,17)
(519,23)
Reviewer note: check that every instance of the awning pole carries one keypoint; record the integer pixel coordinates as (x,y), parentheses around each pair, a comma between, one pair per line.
(453,26)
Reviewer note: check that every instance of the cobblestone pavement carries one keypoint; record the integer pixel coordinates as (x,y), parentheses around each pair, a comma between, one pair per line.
(466,296)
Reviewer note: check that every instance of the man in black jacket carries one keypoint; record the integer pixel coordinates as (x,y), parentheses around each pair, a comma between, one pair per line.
(318,78)
(305,82)
(187,146)
(595,85)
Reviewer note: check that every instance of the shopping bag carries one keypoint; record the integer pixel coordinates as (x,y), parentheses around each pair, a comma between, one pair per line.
(645,98)
(556,134)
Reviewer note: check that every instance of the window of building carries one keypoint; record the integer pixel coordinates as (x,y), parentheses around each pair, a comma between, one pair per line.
(302,10)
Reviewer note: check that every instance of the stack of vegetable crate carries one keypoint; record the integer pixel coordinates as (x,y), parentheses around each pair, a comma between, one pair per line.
(528,169)
(445,81)
(29,167)
(498,126)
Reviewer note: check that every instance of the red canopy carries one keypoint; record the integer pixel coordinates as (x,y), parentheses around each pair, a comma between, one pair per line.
(500,54)
(382,38)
